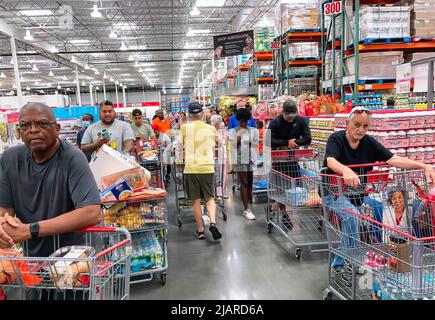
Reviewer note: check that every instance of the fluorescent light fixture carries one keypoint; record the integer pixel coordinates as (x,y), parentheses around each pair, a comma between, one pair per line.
(97,88)
(14,86)
(136,64)
(59,87)
(28,88)
(140,70)
(64,78)
(83,83)
(144,75)
(12,61)
(79,41)
(28,36)
(130,58)
(117,82)
(195,12)
(35,13)
(42,91)
(87,67)
(2,75)
(123,47)
(96,72)
(125,26)
(35,68)
(75,81)
(104,76)
(210,3)
(95,12)
(113,35)
(22,79)
(192,32)
(73,59)
(111,80)
(68,89)
(36,83)
(51,74)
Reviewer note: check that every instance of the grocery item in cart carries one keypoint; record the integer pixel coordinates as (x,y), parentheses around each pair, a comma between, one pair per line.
(8,272)
(137,178)
(71,267)
(118,191)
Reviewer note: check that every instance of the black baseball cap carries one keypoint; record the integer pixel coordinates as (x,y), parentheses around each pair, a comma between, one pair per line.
(194,107)
(289,108)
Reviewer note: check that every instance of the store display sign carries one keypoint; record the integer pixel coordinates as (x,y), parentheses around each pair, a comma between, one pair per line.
(276,44)
(332,8)
(13,117)
(403,78)
(233,44)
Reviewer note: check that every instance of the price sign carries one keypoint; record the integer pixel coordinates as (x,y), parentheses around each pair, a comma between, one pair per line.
(332,8)
(276,44)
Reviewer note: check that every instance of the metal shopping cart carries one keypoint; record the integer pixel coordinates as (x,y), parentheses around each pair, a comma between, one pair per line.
(183,203)
(103,274)
(385,226)
(293,186)
(145,215)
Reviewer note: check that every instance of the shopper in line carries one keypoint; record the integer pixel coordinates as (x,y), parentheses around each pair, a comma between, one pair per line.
(109,130)
(350,147)
(140,129)
(288,131)
(163,123)
(233,123)
(391,102)
(87,120)
(198,140)
(244,144)
(47,184)
(166,148)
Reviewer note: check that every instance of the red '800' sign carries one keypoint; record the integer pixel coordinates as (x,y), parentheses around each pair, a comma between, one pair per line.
(332,8)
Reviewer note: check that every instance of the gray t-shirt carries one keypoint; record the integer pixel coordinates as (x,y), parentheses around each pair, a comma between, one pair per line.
(43,191)
(144,131)
(120,131)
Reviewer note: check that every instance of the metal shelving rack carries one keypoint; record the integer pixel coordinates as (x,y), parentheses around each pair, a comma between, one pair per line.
(344,80)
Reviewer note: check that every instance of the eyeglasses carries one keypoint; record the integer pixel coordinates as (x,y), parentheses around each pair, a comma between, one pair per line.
(360,110)
(42,124)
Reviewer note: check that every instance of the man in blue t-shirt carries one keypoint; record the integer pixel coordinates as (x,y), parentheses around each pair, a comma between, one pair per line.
(233,123)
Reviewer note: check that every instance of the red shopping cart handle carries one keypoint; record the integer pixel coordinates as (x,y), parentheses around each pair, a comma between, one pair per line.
(99,229)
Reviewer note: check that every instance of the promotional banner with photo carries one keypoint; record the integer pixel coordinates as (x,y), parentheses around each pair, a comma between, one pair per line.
(233,44)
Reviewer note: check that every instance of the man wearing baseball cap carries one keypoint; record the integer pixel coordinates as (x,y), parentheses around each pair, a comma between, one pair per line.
(198,140)
(289,131)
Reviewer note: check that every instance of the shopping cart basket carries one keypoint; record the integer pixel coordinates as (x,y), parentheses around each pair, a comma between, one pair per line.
(384,226)
(98,269)
(296,213)
(146,218)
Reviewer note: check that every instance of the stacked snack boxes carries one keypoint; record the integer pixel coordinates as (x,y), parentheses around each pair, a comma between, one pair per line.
(303,50)
(423,19)
(263,39)
(296,15)
(321,128)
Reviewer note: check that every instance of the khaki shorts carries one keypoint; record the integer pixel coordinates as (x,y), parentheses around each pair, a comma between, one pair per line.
(199,186)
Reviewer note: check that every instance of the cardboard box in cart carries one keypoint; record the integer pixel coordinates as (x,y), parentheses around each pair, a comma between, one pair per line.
(108,162)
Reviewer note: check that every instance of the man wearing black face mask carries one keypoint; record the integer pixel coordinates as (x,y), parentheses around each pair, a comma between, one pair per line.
(288,131)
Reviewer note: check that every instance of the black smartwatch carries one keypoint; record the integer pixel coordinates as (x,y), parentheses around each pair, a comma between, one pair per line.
(34,230)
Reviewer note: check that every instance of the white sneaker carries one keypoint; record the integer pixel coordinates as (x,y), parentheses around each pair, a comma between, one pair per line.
(206,220)
(248,214)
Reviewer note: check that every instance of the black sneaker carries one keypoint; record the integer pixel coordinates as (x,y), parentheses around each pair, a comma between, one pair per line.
(286,222)
(215,231)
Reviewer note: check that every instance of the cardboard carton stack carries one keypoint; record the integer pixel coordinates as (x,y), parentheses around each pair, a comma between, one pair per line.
(376,65)
(296,15)
(423,19)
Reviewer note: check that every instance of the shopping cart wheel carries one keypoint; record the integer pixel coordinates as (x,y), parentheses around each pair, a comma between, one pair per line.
(224,214)
(327,294)
(269,228)
(298,253)
(163,278)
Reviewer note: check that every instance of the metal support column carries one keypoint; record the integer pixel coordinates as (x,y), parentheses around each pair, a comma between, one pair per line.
(104,91)
(91,96)
(430,88)
(78,96)
(16,73)
(124,97)
(203,87)
(117,97)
